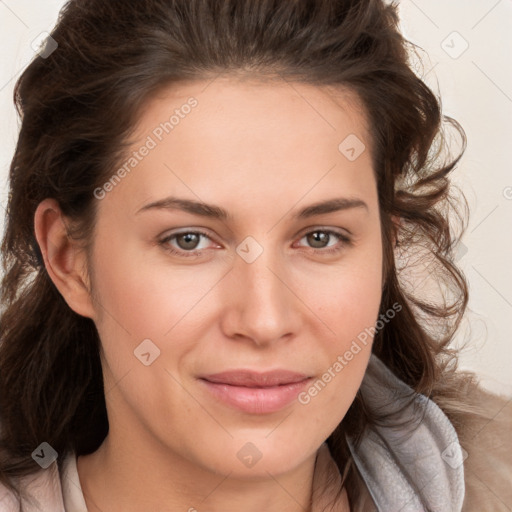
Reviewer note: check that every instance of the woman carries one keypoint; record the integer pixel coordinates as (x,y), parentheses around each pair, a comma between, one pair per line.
(212,213)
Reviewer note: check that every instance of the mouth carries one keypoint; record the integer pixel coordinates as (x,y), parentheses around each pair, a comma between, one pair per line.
(249,378)
(255,393)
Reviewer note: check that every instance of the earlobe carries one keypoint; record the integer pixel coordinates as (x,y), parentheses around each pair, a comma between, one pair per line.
(62,257)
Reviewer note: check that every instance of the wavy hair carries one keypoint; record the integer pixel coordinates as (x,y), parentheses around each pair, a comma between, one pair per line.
(80,104)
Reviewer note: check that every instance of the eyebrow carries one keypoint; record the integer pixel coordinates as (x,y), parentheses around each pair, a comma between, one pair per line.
(216,212)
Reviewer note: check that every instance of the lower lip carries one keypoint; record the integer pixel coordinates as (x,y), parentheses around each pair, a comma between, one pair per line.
(256,400)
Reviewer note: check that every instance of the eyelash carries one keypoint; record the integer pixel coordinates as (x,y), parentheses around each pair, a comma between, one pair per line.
(345,241)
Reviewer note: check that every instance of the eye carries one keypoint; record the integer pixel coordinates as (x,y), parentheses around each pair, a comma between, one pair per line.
(319,239)
(187,243)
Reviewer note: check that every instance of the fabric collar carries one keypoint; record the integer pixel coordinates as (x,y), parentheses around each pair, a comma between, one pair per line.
(419,468)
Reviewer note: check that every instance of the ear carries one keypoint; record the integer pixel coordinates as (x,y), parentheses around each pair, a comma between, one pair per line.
(65,262)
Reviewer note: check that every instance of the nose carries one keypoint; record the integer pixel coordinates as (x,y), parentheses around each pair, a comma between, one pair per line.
(261,304)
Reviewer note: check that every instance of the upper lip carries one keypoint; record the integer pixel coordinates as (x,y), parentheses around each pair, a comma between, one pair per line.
(251,378)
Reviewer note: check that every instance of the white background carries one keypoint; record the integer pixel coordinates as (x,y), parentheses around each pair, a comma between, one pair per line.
(476,89)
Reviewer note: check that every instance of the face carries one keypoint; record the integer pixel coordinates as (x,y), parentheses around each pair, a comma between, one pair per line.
(259,280)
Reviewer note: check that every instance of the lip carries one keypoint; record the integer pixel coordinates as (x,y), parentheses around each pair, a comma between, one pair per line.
(250,378)
(253,392)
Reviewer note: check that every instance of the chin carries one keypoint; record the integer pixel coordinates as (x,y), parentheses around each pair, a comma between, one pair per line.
(254,457)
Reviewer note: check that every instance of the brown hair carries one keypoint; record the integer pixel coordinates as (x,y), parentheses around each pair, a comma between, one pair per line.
(79,106)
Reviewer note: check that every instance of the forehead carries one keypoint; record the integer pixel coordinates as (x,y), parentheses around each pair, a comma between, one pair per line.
(259,107)
(229,135)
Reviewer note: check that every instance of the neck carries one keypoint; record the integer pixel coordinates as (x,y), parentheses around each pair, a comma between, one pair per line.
(119,478)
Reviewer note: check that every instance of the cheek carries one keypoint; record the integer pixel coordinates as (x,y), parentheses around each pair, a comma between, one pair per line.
(350,309)
(358,298)
(348,303)
(142,296)
(351,314)
(139,300)
(348,298)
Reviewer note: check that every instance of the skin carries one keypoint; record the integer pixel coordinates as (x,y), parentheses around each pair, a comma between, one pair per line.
(262,152)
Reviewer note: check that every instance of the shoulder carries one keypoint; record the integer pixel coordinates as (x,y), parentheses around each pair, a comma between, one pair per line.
(487,441)
(40,491)
(7,500)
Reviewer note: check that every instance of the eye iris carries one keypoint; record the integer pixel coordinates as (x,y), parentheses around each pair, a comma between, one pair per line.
(318,237)
(191,240)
